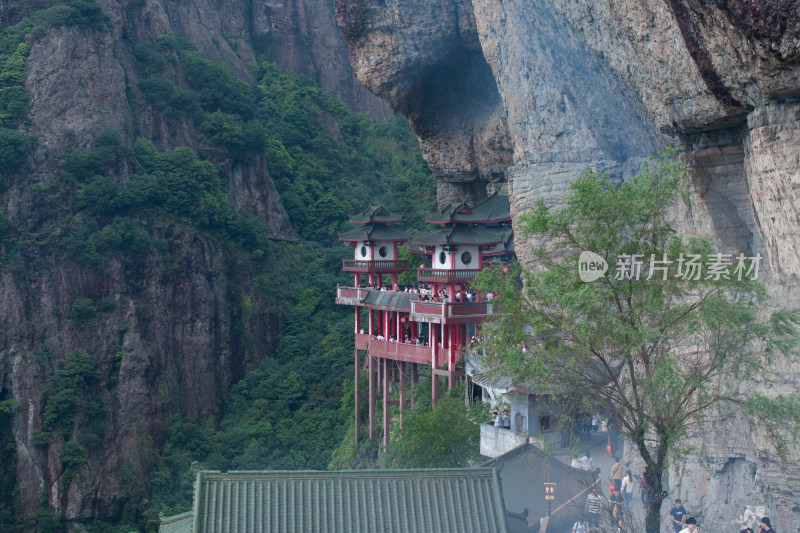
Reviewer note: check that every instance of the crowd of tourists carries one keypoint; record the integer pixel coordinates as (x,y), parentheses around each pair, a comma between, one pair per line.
(608,513)
(426,294)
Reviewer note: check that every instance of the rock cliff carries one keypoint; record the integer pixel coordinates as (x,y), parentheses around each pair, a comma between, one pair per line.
(168,331)
(526,94)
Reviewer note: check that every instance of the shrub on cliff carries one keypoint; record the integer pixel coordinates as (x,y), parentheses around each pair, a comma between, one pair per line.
(77,374)
(81,13)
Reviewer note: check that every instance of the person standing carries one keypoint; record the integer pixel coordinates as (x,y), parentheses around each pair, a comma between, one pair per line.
(594,505)
(627,489)
(616,502)
(643,490)
(586,461)
(617,473)
(766,525)
(691,526)
(677,514)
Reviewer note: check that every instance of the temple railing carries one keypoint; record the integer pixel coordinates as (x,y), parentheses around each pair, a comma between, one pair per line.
(350,295)
(381,266)
(442,311)
(401,351)
(430,275)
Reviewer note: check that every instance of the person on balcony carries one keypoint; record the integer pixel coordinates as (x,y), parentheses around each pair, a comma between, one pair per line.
(506,420)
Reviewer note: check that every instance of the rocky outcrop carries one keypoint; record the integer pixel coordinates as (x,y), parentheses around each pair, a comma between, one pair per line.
(426,61)
(569,84)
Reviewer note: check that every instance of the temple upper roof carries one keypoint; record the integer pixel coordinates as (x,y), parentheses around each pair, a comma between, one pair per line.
(376,215)
(494,209)
(374,233)
(460,236)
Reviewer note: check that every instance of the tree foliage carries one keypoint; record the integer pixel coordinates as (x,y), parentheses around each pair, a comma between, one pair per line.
(662,351)
(445,436)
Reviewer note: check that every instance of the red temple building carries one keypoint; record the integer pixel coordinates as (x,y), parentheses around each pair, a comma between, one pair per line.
(397,330)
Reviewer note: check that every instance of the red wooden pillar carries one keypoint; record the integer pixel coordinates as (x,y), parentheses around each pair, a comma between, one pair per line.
(401,367)
(357,396)
(371,396)
(451,355)
(385,363)
(357,379)
(433,333)
(414,381)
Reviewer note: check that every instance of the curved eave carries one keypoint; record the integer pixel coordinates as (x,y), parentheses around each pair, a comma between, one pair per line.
(350,241)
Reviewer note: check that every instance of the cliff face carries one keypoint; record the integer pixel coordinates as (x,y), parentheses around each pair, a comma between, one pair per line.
(553,87)
(171,344)
(170,330)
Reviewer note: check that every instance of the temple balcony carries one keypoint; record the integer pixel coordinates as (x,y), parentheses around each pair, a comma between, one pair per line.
(432,275)
(359,266)
(450,312)
(351,295)
(401,351)
(496,440)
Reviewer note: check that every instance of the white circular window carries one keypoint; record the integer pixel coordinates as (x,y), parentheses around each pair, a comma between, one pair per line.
(382,251)
(466,258)
(442,257)
(363,251)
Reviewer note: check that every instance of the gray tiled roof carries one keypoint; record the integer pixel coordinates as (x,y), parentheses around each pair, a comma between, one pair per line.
(455,213)
(390,299)
(355,501)
(374,233)
(525,469)
(495,208)
(376,214)
(179,523)
(459,235)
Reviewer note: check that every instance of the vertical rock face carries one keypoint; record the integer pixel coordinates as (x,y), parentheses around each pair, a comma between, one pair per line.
(172,344)
(173,336)
(568,84)
(303,38)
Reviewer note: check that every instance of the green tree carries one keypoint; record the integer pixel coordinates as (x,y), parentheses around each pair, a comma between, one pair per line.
(662,353)
(445,436)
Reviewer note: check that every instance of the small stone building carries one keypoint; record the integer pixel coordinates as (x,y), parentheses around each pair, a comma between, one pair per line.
(524,471)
